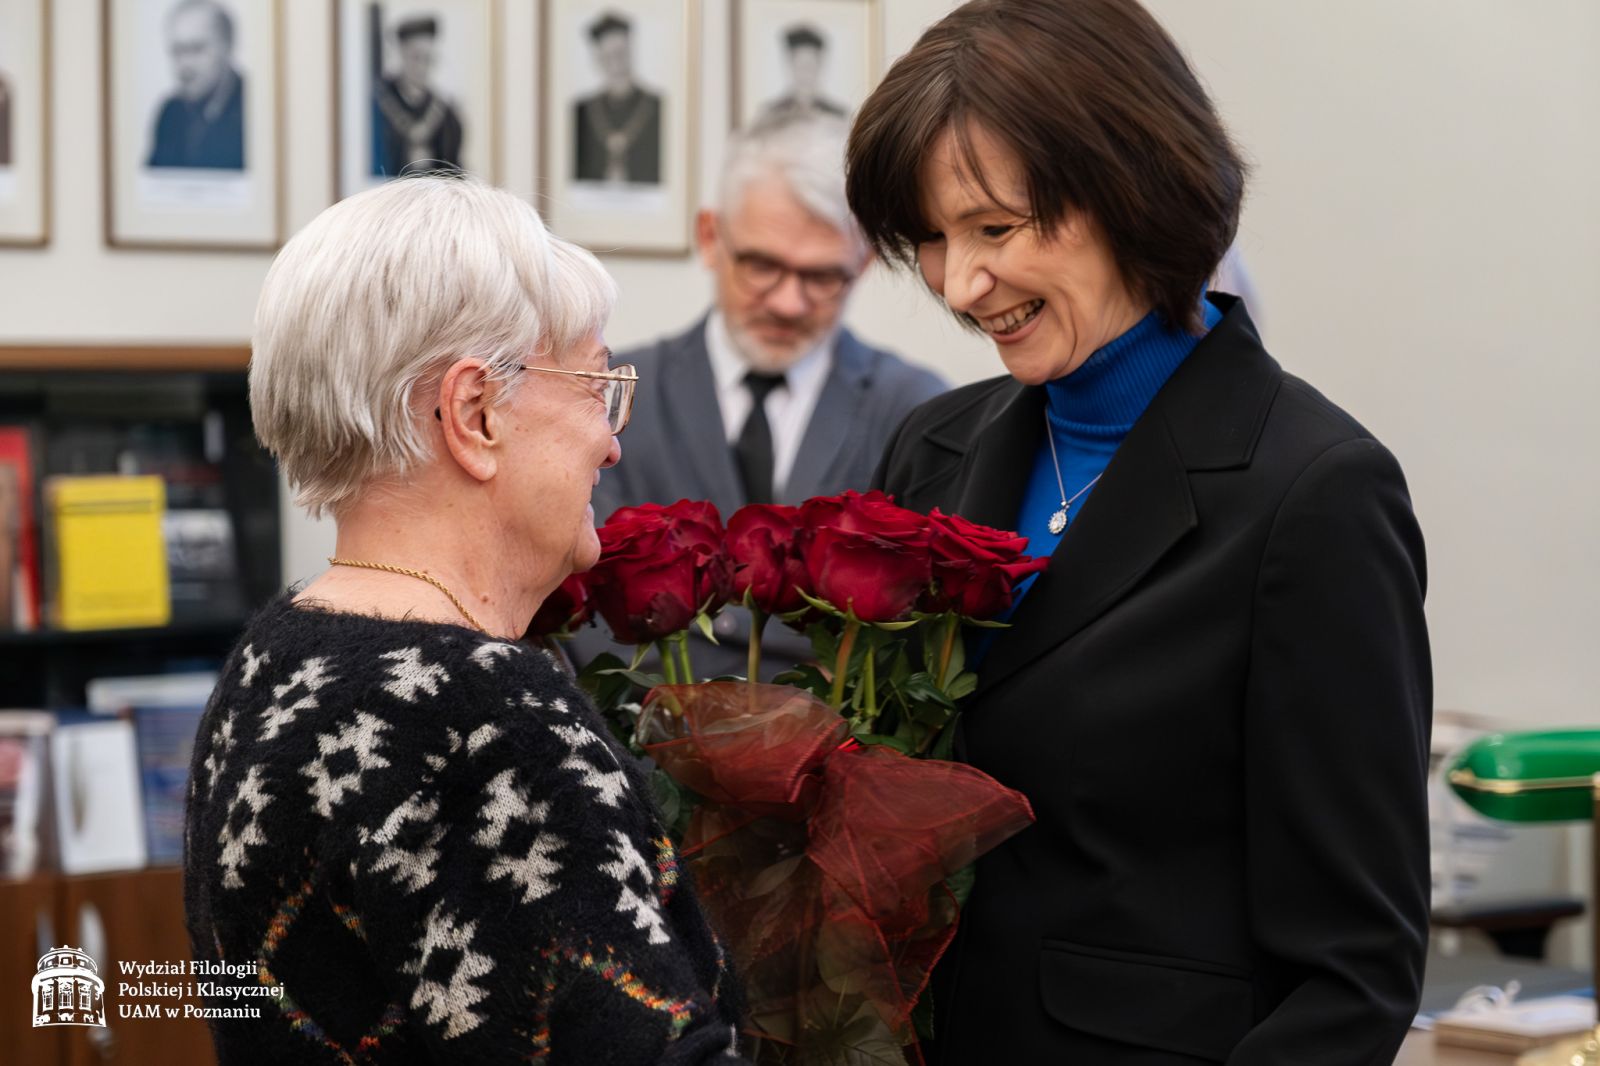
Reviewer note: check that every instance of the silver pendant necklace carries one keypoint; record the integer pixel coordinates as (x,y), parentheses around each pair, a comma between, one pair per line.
(1058,521)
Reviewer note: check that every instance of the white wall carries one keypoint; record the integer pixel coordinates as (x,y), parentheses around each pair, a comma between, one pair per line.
(1423,226)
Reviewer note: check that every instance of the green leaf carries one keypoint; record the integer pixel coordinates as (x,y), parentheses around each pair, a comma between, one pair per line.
(773,876)
(945,746)
(960,883)
(894,627)
(643,680)
(922,1017)
(638,656)
(822,605)
(664,790)
(703,620)
(600,663)
(900,670)
(962,686)
(806,677)
(824,642)
(986,624)
(902,746)
(920,688)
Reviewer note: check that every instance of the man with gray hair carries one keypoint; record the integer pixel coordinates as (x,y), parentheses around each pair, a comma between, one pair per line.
(767,398)
(202,124)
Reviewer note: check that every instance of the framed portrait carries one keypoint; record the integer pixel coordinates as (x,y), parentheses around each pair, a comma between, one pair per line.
(24,122)
(800,55)
(416,90)
(192,115)
(617,131)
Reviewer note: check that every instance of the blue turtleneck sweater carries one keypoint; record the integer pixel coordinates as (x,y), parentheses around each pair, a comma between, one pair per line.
(1090,411)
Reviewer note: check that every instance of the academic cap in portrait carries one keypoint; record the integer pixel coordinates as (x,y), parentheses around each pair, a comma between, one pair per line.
(803,36)
(610,22)
(419,26)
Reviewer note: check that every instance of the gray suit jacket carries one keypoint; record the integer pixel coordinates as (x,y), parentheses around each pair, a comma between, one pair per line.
(674,448)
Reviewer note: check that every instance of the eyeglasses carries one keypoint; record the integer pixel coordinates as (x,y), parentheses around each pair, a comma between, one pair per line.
(618,389)
(761,274)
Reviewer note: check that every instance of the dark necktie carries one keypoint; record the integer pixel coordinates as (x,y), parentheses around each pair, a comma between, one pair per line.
(753,450)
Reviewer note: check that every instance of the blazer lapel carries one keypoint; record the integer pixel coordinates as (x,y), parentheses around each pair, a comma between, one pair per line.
(1207,417)
(999,459)
(696,446)
(1138,511)
(832,421)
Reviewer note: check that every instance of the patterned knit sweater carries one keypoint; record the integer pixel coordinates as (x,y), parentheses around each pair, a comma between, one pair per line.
(424,844)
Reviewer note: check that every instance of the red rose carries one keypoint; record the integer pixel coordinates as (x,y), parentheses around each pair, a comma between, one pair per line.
(976,569)
(659,567)
(564,610)
(766,557)
(865,554)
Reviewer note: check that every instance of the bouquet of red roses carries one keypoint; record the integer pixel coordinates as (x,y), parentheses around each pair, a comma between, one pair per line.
(828,839)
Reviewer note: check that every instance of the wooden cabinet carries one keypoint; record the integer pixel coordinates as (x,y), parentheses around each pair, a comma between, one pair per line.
(134,916)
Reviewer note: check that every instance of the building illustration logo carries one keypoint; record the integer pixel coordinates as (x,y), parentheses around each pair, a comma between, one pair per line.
(67,990)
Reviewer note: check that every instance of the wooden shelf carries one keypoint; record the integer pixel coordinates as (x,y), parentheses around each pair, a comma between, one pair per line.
(140,358)
(219,627)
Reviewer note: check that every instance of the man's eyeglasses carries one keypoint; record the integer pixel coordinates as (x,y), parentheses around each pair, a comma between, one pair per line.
(618,389)
(760,274)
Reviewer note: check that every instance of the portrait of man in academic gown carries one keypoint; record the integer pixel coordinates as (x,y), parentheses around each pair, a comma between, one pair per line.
(618,129)
(413,123)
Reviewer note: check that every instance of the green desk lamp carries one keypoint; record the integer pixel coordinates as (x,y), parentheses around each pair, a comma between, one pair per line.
(1551,776)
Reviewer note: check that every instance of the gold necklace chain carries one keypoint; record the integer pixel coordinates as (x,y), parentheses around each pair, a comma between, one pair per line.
(420,576)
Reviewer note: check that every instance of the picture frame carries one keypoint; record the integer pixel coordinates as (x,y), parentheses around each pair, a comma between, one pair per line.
(192,124)
(825,55)
(416,88)
(24,123)
(618,135)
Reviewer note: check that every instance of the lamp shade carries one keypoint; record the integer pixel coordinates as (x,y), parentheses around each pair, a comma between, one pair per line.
(1546,776)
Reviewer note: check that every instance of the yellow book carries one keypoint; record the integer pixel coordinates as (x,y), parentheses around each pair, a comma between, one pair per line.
(110,556)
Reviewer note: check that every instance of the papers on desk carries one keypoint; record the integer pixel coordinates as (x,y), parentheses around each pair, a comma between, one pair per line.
(1516,1026)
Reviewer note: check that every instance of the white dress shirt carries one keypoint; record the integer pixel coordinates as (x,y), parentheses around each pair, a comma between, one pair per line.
(789,408)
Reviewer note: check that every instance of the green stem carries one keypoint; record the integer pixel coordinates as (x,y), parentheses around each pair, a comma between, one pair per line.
(669,670)
(841,668)
(869,676)
(952,624)
(686,674)
(758,622)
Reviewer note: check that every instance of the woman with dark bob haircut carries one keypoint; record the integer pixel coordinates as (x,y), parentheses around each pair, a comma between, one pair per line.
(1218,695)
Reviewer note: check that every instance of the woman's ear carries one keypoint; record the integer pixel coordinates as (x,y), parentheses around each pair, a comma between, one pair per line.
(463,413)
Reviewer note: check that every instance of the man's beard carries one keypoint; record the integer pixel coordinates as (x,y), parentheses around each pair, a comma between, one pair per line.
(764,357)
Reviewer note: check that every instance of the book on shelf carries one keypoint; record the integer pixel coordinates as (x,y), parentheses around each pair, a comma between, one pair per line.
(1516,1027)
(20,578)
(165,738)
(202,565)
(109,559)
(166,711)
(94,771)
(113,695)
(26,835)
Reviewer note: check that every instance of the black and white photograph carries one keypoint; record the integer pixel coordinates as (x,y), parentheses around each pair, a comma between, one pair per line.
(24,111)
(416,89)
(793,57)
(192,113)
(618,134)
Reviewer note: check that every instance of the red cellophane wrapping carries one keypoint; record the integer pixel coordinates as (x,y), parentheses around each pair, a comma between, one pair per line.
(822,862)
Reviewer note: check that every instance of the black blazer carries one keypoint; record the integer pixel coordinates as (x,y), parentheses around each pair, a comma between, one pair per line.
(1218,700)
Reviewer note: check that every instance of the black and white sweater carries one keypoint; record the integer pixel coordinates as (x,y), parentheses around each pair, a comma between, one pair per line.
(424,844)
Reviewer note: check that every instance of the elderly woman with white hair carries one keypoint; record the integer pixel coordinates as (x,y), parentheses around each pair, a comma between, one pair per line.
(414,831)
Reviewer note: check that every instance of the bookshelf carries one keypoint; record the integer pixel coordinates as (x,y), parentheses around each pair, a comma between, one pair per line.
(178,411)
(182,413)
